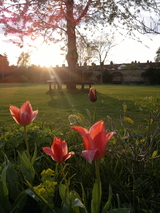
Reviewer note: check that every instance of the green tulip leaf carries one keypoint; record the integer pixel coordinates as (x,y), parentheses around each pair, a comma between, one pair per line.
(24,160)
(106,207)
(19,203)
(34,156)
(83,195)
(3,192)
(73,195)
(93,207)
(96,197)
(26,167)
(65,209)
(12,180)
(4,174)
(64,194)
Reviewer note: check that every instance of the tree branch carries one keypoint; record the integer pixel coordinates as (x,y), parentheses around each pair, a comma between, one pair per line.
(84,12)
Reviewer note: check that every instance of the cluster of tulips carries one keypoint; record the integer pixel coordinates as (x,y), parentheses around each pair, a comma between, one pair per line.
(95,141)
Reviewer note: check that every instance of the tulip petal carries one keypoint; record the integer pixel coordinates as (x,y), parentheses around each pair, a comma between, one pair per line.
(109,135)
(67,156)
(64,147)
(26,107)
(85,135)
(98,134)
(89,155)
(62,144)
(34,114)
(14,112)
(48,151)
(25,118)
(57,151)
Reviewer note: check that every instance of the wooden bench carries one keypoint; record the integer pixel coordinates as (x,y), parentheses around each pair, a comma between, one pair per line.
(58,84)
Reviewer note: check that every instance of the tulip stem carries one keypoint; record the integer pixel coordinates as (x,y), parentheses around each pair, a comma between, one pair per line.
(98,182)
(26,140)
(94,114)
(62,168)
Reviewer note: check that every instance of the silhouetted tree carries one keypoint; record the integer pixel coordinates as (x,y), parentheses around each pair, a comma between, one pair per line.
(152,75)
(157,58)
(4,65)
(101,47)
(24,60)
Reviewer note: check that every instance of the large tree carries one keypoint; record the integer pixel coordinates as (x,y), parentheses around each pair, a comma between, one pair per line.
(43,17)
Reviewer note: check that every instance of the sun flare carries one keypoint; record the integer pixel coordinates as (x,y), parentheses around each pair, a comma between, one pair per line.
(47,56)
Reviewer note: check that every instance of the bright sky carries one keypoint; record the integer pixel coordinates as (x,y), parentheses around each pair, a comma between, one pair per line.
(125,51)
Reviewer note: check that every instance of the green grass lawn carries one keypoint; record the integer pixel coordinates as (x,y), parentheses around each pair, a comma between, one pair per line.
(55,107)
(131,164)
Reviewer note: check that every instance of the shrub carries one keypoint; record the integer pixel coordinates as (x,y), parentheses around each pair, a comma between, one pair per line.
(152,75)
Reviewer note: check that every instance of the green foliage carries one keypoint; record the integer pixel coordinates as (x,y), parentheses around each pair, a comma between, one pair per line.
(152,75)
(133,158)
(27,163)
(12,198)
(46,189)
(13,141)
(119,209)
(71,200)
(132,66)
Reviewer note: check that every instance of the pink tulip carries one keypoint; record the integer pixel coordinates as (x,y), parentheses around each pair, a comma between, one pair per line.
(25,115)
(92,94)
(58,150)
(95,140)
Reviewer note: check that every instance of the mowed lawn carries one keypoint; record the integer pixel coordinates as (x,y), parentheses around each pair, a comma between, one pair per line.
(54,108)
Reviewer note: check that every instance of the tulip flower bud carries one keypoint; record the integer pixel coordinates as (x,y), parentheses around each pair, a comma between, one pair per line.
(92,94)
(58,151)
(23,115)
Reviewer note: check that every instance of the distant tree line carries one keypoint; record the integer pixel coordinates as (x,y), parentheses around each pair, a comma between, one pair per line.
(152,75)
(32,74)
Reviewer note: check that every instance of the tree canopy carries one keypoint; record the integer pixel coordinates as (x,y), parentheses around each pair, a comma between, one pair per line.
(157,58)
(24,60)
(41,18)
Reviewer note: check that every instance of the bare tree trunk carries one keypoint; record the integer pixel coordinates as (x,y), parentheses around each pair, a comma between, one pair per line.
(101,67)
(72,55)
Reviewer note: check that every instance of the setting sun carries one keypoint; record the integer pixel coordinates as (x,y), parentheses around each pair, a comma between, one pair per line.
(47,56)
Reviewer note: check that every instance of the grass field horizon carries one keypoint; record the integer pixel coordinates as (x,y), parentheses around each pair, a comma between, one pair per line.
(55,107)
